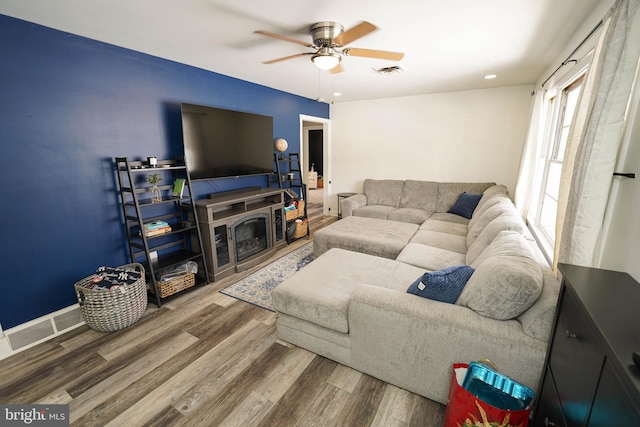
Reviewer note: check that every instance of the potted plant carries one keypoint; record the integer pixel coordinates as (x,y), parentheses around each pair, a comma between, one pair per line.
(154,179)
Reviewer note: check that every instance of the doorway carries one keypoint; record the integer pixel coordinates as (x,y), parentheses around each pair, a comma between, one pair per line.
(315,154)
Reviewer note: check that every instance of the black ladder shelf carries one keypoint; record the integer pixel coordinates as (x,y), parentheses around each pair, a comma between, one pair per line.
(291,180)
(179,244)
(292,176)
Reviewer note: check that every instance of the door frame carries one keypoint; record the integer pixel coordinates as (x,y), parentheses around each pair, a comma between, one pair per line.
(313,123)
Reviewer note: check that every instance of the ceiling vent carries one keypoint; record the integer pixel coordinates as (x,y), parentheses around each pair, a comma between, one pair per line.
(389,70)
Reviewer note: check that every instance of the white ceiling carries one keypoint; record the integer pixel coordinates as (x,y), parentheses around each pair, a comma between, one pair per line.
(449,45)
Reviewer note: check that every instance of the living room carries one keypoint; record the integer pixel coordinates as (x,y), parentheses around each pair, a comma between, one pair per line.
(71,104)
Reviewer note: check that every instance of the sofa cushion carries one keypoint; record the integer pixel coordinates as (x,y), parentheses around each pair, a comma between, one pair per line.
(449,217)
(367,235)
(507,242)
(429,257)
(445,227)
(320,292)
(373,211)
(506,221)
(448,192)
(503,287)
(476,226)
(465,205)
(490,192)
(412,215)
(442,285)
(386,192)
(419,195)
(507,281)
(437,239)
(483,205)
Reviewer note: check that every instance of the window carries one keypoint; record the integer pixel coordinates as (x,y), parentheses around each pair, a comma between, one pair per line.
(560,108)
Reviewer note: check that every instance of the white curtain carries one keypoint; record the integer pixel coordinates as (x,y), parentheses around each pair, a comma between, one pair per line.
(595,137)
(526,176)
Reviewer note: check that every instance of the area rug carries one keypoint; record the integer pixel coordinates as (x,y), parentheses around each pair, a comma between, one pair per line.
(256,288)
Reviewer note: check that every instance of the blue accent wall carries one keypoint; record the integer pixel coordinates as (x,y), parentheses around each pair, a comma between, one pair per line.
(68,106)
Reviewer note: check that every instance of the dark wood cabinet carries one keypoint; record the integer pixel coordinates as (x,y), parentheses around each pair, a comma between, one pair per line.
(590,379)
(259,211)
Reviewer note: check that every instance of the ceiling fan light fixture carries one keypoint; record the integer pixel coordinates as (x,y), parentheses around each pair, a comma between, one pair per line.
(325,59)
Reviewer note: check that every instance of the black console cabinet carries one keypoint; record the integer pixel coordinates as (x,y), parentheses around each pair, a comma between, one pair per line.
(590,379)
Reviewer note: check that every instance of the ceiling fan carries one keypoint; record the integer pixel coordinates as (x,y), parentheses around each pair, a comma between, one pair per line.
(329,41)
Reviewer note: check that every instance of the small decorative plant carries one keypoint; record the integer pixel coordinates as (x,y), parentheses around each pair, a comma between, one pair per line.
(154,179)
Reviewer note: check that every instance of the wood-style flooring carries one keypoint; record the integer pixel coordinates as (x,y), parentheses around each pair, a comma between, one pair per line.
(204,359)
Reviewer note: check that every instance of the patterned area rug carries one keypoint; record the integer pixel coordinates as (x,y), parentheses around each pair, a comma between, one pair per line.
(256,288)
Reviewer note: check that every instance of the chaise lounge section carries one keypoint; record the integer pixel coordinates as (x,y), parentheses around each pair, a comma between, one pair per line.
(351,304)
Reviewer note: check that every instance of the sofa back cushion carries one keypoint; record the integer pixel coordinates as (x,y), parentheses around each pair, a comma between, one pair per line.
(485,204)
(504,206)
(507,242)
(386,192)
(506,221)
(448,192)
(487,194)
(507,281)
(419,195)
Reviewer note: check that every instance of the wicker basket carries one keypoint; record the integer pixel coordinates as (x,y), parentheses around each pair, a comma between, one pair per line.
(111,310)
(295,213)
(301,229)
(178,284)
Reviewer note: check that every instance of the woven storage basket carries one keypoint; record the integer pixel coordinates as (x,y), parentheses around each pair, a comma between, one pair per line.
(178,284)
(295,213)
(301,229)
(292,214)
(110,310)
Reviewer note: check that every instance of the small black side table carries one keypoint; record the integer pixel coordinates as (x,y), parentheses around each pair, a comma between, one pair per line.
(340,197)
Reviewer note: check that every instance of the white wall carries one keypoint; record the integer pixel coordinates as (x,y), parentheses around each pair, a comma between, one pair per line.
(621,231)
(457,136)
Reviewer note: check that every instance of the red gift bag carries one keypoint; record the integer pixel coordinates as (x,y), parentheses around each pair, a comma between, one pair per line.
(466,410)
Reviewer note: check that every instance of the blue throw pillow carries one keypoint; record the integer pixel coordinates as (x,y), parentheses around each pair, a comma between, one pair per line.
(443,285)
(465,205)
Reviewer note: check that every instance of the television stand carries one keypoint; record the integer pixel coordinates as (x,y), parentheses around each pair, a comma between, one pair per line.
(246,190)
(241,228)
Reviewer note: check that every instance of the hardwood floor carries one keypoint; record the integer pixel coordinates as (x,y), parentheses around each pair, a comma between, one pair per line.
(204,359)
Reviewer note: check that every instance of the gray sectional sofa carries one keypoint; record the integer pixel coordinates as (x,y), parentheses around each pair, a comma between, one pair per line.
(351,303)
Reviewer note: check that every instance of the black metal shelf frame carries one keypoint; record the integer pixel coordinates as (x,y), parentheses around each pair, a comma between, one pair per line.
(160,252)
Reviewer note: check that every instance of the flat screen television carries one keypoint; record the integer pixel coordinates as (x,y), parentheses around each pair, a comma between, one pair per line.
(220,143)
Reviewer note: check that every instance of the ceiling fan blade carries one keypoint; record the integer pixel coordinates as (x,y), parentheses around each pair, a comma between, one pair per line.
(284,58)
(285,38)
(337,69)
(354,33)
(371,53)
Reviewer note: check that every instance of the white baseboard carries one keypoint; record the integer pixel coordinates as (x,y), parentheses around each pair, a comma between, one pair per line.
(39,330)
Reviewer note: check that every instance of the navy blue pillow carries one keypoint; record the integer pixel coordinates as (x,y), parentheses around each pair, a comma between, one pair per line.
(465,205)
(443,285)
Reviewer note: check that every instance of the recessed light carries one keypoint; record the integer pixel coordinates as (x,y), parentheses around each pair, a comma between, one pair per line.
(490,76)
(337,93)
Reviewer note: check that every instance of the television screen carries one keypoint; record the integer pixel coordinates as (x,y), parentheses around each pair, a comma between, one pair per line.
(221,143)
